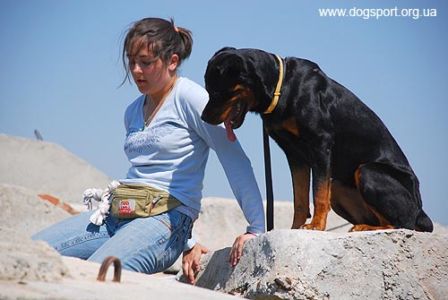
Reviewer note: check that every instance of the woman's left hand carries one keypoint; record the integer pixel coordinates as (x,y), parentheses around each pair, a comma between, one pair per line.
(237,248)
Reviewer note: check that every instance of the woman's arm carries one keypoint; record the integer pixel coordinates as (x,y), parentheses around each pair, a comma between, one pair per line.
(236,165)
(239,173)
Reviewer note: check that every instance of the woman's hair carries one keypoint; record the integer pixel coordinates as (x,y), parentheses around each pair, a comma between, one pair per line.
(161,37)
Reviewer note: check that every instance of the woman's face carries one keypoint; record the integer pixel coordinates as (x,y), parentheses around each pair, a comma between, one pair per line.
(150,73)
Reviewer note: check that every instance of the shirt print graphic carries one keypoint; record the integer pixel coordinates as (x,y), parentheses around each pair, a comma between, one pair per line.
(148,140)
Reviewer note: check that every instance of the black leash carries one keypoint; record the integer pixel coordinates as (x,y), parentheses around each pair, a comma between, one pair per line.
(268,179)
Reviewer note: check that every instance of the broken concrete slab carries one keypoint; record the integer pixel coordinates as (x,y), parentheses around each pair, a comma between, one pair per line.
(300,264)
(47,168)
(82,284)
(22,210)
(22,259)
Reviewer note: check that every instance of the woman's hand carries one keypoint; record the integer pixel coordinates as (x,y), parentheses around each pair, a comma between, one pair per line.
(237,248)
(191,262)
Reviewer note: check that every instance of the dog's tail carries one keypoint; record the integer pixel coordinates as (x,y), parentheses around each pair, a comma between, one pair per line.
(423,222)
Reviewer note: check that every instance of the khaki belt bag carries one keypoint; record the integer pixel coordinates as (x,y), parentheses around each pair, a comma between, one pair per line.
(139,201)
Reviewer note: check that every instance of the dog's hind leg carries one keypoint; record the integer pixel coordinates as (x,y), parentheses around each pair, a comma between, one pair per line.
(348,203)
(387,196)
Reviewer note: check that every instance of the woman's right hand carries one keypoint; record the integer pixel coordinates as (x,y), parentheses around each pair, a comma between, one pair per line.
(191,262)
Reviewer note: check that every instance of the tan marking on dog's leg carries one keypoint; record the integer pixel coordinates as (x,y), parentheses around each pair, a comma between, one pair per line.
(321,207)
(383,222)
(366,227)
(301,187)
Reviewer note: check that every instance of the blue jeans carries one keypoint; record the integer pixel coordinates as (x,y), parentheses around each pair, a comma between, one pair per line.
(147,245)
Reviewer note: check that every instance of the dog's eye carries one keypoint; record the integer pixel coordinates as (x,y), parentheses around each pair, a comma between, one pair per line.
(237,89)
(237,92)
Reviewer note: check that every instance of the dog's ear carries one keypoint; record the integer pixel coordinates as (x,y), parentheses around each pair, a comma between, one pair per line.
(224,49)
(232,66)
(225,64)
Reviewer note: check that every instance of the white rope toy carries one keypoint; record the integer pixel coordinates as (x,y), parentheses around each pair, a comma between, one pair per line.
(101,196)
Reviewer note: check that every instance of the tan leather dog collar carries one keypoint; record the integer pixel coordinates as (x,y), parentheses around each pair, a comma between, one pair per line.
(277,93)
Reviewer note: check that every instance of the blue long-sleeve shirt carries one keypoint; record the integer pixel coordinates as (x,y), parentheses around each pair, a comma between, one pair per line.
(171,152)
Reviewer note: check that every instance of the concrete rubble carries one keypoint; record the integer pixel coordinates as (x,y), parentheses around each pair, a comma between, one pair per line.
(299,264)
(282,264)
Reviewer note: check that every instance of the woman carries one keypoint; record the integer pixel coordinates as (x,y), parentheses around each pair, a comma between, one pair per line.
(167,145)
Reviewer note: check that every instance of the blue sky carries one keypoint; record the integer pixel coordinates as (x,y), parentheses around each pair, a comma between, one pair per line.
(61,70)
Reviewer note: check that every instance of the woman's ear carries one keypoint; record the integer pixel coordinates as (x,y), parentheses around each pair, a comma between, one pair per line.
(173,63)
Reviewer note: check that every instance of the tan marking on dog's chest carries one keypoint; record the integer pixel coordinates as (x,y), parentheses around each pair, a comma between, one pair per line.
(290,125)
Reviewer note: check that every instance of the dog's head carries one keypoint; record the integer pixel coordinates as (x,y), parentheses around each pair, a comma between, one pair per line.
(230,85)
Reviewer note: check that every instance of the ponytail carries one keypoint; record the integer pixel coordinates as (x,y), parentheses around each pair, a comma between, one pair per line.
(186,45)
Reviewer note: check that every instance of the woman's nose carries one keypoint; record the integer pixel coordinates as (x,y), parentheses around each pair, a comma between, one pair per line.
(136,68)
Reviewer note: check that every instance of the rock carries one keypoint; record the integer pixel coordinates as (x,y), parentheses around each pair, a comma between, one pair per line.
(300,264)
(82,284)
(47,168)
(221,221)
(22,259)
(282,264)
(24,211)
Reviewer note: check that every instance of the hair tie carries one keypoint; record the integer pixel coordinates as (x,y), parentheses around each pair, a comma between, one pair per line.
(175,28)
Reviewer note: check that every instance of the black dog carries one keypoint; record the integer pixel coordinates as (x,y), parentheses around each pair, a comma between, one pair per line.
(357,166)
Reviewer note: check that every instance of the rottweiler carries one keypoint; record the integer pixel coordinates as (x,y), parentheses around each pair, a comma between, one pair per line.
(357,167)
